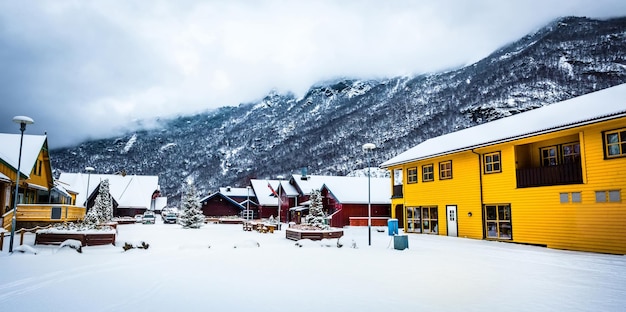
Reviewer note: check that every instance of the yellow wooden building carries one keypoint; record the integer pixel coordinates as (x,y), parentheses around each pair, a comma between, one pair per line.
(553,176)
(40,198)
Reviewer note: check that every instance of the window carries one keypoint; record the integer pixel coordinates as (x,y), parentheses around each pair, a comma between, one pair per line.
(565,197)
(422,220)
(445,170)
(428,173)
(397,183)
(492,162)
(571,152)
(615,143)
(613,196)
(498,221)
(39,165)
(397,177)
(549,156)
(411,175)
(576,198)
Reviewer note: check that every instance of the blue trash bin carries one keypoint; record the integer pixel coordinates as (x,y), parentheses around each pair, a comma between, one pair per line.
(400,242)
(392,227)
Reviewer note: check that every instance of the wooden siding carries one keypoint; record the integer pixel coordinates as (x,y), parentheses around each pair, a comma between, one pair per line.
(463,190)
(538,216)
(220,207)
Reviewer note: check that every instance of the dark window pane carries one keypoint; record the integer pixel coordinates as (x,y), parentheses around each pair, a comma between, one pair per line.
(491,213)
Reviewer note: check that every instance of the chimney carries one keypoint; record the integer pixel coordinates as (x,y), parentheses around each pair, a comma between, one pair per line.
(304,177)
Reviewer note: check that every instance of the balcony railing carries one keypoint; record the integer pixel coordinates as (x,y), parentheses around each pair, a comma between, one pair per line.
(570,173)
(397,191)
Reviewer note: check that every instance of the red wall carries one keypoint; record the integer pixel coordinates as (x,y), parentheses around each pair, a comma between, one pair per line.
(219,207)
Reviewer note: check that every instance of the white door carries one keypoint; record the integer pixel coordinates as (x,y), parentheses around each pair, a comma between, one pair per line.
(452,224)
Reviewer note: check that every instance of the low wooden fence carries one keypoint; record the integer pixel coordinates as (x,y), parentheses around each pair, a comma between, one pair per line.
(21,232)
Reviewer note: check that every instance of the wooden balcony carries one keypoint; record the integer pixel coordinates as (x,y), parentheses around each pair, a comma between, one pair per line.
(570,173)
(44,213)
(397,191)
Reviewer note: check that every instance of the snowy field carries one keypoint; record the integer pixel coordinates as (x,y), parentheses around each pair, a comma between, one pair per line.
(200,270)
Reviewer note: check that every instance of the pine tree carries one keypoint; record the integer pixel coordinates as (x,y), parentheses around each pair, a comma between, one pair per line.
(316,216)
(102,210)
(191,216)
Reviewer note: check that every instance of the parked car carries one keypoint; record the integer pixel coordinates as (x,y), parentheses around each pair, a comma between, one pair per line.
(169,217)
(149,217)
(139,218)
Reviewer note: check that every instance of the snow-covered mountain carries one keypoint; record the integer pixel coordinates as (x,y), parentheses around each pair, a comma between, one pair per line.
(325,129)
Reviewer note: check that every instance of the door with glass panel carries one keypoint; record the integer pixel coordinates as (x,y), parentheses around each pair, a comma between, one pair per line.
(452,223)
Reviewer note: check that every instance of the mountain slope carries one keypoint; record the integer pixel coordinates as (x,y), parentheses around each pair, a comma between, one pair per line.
(325,129)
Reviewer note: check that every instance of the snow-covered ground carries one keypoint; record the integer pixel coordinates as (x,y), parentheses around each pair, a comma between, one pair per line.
(200,270)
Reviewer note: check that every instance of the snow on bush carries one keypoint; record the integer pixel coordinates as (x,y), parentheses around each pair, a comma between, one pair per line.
(72,243)
(142,245)
(346,241)
(25,249)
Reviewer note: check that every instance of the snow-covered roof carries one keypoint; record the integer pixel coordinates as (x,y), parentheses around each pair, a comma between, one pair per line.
(230,200)
(236,191)
(4,178)
(130,191)
(263,193)
(308,183)
(354,190)
(288,189)
(31,147)
(606,104)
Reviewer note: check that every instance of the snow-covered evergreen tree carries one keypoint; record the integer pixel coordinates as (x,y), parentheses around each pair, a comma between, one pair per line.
(102,210)
(316,216)
(191,215)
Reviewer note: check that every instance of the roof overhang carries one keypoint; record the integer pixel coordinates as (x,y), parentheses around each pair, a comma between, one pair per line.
(37,187)
(509,139)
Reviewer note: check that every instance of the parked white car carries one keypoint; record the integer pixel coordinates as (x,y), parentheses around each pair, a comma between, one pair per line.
(149,218)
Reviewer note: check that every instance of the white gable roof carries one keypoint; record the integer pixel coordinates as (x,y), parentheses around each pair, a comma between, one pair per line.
(288,189)
(236,191)
(354,190)
(263,193)
(10,150)
(130,191)
(309,183)
(590,108)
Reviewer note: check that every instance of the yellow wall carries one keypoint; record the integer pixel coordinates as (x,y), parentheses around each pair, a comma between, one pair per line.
(463,190)
(537,215)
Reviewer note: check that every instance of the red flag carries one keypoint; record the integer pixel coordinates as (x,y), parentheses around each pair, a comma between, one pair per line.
(271,188)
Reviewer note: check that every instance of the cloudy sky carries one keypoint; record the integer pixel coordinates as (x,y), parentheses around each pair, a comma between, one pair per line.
(90,69)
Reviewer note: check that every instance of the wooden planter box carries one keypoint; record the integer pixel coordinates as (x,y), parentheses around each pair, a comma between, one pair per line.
(90,239)
(295,234)
(231,221)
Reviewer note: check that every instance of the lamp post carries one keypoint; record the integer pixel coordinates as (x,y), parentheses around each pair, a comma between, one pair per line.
(248,205)
(280,203)
(366,148)
(23,121)
(89,171)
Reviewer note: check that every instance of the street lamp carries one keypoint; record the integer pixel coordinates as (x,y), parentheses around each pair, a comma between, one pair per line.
(369,147)
(248,205)
(23,121)
(89,171)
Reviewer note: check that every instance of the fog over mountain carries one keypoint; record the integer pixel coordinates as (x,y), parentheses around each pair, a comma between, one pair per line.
(325,129)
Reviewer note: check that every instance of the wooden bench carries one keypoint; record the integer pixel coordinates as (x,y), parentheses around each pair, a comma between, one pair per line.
(312,235)
(84,239)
